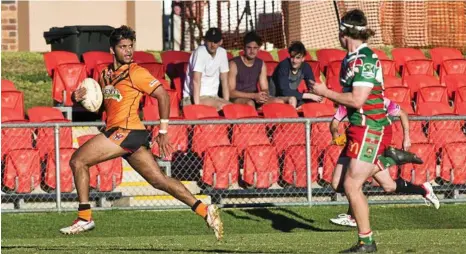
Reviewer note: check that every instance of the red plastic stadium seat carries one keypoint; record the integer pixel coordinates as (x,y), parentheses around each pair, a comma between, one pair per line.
(8,85)
(263,55)
(402,55)
(98,70)
(416,133)
(195,112)
(388,67)
(441,54)
(444,132)
(171,59)
(9,115)
(221,168)
(229,56)
(432,94)
(245,135)
(205,136)
(294,170)
(143,57)
(453,66)
(178,137)
(420,173)
(261,168)
(333,83)
(238,111)
(107,175)
(333,69)
(283,54)
(286,134)
(13,101)
(330,161)
(316,70)
(433,108)
(151,107)
(454,82)
(418,67)
(325,56)
(66,79)
(43,114)
(66,175)
(55,58)
(148,61)
(45,137)
(94,58)
(381,54)
(16,138)
(22,172)
(453,168)
(318,110)
(271,66)
(460,101)
(401,96)
(392,81)
(416,82)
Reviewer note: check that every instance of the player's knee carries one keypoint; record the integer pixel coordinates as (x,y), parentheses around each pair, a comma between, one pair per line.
(159,182)
(389,187)
(350,186)
(76,163)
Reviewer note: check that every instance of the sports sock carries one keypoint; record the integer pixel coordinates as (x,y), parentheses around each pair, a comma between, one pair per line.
(386,161)
(406,187)
(366,238)
(200,208)
(84,212)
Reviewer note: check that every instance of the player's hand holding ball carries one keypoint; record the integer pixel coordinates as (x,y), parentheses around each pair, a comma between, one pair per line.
(79,94)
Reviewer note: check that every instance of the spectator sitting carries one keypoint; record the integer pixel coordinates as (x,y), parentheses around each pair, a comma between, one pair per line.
(208,66)
(248,70)
(291,71)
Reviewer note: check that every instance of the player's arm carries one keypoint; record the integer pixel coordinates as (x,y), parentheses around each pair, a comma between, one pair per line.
(355,99)
(224,69)
(197,87)
(334,128)
(232,83)
(224,83)
(405,125)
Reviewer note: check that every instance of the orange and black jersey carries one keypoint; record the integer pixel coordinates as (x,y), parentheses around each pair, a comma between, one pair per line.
(122,90)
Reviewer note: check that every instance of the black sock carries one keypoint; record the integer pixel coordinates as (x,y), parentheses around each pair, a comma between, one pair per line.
(82,207)
(406,187)
(196,205)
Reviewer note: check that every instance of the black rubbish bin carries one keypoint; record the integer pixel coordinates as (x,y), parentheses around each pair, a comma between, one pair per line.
(79,39)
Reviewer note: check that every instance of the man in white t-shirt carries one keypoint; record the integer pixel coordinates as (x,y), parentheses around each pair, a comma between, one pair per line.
(208,67)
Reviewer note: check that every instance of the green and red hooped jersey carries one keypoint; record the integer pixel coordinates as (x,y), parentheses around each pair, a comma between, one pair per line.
(363,68)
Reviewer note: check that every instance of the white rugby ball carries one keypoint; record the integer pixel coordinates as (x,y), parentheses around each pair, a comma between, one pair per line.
(93,98)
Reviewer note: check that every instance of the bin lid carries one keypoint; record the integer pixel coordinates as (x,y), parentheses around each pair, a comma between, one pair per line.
(56,33)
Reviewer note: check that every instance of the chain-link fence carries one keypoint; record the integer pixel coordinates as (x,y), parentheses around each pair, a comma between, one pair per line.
(250,162)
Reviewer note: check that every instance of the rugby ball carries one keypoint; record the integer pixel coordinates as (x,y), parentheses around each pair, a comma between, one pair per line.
(93,98)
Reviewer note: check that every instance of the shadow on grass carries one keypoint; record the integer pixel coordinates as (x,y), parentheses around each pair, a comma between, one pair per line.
(136,250)
(284,223)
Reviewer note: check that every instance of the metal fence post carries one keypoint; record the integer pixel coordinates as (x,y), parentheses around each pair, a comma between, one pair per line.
(57,163)
(308,162)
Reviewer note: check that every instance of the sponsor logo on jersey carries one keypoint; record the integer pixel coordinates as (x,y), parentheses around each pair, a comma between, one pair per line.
(118,136)
(353,147)
(110,92)
(368,70)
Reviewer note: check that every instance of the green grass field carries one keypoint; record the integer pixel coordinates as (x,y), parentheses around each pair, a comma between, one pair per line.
(398,229)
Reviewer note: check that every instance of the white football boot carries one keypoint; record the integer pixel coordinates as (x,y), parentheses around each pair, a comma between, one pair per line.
(78,226)
(344,220)
(214,222)
(430,195)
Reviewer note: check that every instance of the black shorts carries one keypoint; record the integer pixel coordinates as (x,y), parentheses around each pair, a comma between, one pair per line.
(130,140)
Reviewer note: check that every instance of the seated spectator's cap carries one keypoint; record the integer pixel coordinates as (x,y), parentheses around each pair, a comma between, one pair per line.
(213,34)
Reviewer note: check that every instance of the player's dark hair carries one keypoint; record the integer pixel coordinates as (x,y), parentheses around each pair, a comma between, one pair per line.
(355,18)
(298,48)
(252,37)
(121,33)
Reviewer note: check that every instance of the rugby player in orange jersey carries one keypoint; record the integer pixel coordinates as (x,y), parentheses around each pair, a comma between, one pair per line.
(123,84)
